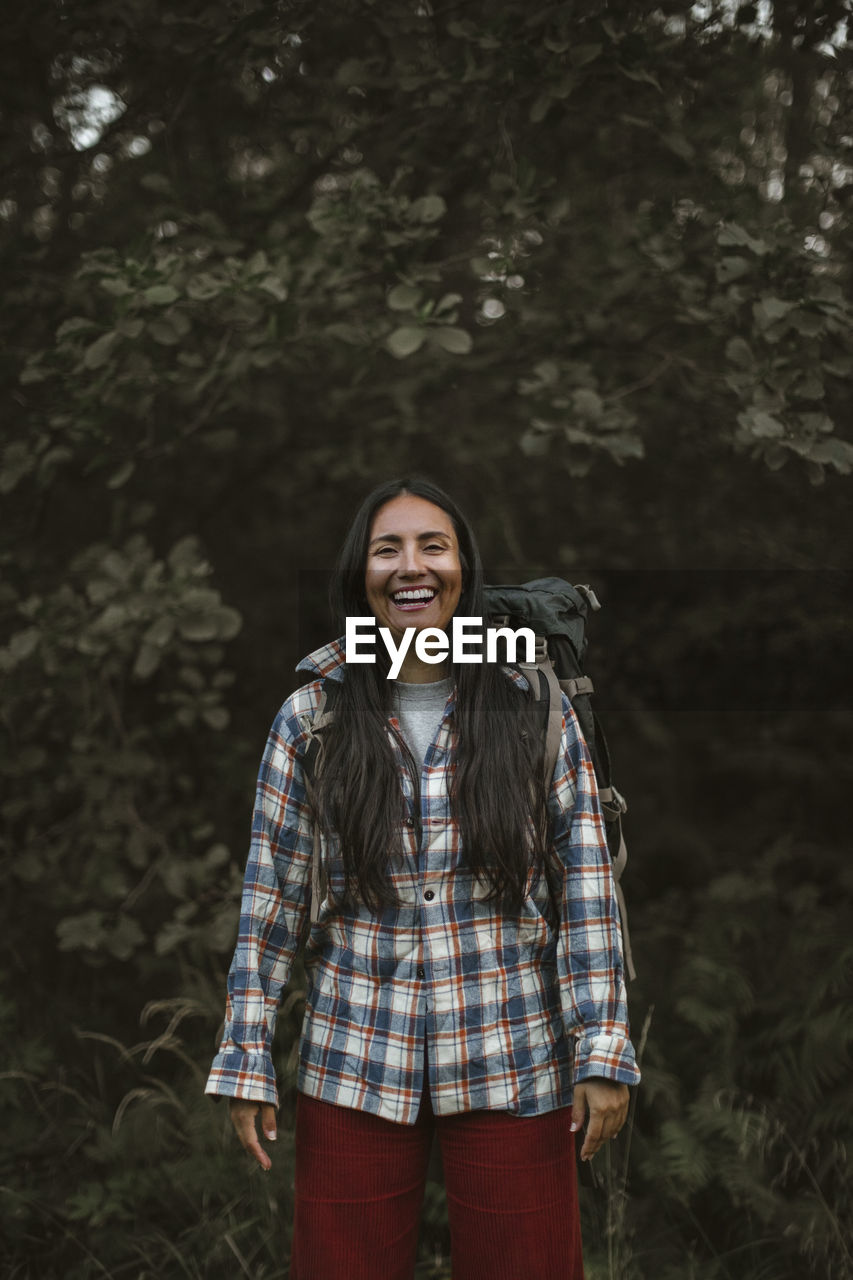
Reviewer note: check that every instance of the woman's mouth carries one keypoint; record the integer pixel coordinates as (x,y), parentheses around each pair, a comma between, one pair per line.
(410,599)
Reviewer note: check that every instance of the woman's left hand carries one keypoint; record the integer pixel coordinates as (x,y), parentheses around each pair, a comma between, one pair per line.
(607,1104)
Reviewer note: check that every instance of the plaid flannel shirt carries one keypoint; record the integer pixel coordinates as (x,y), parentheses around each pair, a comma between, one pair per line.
(510,1010)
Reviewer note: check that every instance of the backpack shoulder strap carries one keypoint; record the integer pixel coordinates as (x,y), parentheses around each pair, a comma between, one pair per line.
(546,685)
(313,725)
(312,764)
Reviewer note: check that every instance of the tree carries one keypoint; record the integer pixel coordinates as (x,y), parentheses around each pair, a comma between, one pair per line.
(588,266)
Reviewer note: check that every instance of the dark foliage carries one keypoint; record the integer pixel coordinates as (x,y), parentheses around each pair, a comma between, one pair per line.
(588,266)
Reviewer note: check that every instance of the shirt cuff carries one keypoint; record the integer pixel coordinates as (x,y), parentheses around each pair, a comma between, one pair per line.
(610,1057)
(242,1075)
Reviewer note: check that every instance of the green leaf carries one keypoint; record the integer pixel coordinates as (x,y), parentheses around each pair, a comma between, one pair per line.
(76,324)
(156,182)
(582,54)
(185,554)
(83,932)
(32,371)
(99,260)
(353,71)
(558,210)
(204,286)
(729,269)
(258,263)
(817,423)
(679,145)
(404,297)
(179,321)
(17,462)
(161,295)
(739,352)
(147,661)
(540,108)
(641,76)
(427,209)
(130,326)
(116,287)
(122,940)
(199,627)
(192,677)
(405,341)
(448,302)
(808,323)
(171,936)
(265,358)
(228,623)
(122,475)
(114,616)
(160,632)
(348,333)
(457,341)
(810,387)
(836,453)
(760,424)
(97,355)
(733,234)
(536,440)
(588,404)
(23,643)
(198,599)
(770,310)
(775,457)
(164,332)
(273,285)
(216,718)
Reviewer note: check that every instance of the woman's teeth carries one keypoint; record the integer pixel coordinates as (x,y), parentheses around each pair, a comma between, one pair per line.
(414,599)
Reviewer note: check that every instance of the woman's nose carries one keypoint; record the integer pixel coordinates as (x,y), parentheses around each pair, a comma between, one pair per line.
(411,560)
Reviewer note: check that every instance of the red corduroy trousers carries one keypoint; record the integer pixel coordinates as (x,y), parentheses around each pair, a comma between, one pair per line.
(511,1193)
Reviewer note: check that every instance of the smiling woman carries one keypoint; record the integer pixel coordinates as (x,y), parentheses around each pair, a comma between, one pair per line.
(464,961)
(413,573)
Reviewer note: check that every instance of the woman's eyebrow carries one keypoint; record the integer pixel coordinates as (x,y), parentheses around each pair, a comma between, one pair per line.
(422,537)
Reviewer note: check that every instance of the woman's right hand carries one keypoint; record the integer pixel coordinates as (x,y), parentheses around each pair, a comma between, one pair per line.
(244,1116)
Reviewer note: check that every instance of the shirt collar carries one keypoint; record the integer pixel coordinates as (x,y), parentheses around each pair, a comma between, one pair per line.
(328,660)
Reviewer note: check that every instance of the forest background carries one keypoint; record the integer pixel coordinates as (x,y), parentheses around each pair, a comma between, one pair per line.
(586,265)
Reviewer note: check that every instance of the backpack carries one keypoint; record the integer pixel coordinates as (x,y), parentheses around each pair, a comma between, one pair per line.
(557,613)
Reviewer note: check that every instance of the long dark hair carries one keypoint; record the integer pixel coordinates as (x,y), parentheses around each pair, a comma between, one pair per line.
(497,793)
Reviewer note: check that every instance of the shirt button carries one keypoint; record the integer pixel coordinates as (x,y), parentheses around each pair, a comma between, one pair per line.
(429,895)
(421,971)
(410,822)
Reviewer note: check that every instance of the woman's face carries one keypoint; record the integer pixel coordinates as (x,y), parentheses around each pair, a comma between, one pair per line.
(413,574)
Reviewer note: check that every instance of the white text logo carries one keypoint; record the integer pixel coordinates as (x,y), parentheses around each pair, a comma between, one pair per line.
(433,645)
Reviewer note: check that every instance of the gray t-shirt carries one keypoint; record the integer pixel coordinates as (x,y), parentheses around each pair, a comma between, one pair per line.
(419,708)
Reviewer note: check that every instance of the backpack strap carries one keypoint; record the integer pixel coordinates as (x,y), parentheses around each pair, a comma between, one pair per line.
(311,767)
(612,803)
(546,687)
